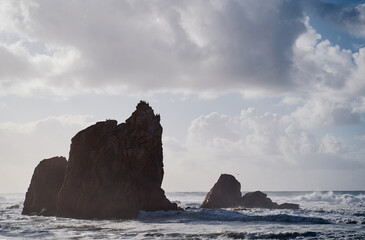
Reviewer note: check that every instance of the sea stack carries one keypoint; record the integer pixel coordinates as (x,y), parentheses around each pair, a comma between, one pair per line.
(41,197)
(225,193)
(115,170)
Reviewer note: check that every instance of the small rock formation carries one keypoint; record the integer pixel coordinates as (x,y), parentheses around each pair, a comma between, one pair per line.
(257,200)
(225,193)
(288,206)
(41,197)
(114,171)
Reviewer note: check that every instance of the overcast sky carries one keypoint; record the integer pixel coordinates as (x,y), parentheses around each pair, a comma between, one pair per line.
(272,92)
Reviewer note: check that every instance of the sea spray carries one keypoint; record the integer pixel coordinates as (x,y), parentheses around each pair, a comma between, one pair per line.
(323,215)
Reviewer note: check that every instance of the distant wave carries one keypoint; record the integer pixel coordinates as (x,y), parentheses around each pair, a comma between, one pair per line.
(332,197)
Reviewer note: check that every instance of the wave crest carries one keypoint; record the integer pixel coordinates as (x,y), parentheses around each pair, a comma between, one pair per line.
(332,197)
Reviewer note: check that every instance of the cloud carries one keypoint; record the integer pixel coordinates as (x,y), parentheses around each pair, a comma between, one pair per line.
(124,46)
(317,112)
(330,86)
(173,144)
(257,148)
(292,101)
(212,126)
(256,48)
(331,144)
(264,140)
(319,63)
(30,127)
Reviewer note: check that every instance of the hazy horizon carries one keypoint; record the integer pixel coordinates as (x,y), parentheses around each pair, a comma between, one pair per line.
(272,92)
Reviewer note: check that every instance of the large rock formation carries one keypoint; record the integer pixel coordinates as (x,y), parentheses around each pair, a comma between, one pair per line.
(225,193)
(114,171)
(41,197)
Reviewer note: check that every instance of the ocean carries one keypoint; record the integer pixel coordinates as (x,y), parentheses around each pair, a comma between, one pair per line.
(322,215)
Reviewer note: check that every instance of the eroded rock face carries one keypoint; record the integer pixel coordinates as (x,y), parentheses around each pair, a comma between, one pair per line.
(114,171)
(41,197)
(224,194)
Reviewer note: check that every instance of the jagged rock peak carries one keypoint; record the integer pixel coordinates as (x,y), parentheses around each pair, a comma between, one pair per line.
(143,105)
(114,171)
(145,118)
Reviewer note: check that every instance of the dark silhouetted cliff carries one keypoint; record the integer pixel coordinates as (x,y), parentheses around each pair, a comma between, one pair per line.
(41,197)
(115,170)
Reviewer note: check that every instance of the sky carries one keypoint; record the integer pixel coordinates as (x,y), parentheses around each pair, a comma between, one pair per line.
(272,92)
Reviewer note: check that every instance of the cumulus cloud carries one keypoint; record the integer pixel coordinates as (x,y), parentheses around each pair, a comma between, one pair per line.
(264,139)
(331,144)
(256,147)
(323,112)
(330,86)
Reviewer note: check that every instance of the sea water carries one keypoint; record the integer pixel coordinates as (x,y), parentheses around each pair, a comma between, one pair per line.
(322,215)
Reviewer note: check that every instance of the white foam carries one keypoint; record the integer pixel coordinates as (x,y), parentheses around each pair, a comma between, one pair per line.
(331,197)
(342,211)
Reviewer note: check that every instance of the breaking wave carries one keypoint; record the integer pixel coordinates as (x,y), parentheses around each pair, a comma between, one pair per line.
(332,197)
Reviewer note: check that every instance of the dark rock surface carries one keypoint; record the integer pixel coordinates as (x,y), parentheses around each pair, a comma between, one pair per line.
(260,200)
(41,197)
(225,193)
(288,206)
(257,200)
(114,171)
